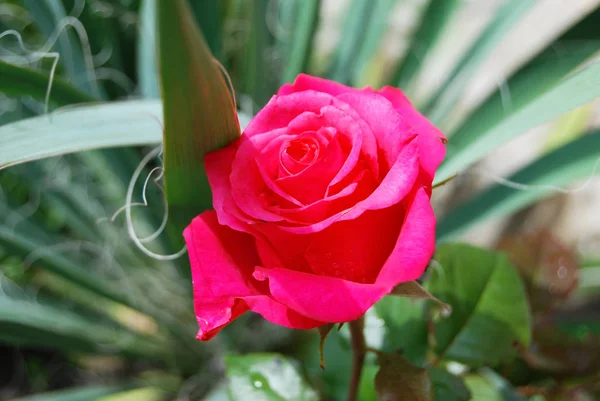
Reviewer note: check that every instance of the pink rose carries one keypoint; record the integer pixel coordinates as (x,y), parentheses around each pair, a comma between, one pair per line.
(321,208)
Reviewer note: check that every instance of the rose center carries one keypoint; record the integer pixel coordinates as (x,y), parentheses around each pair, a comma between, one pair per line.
(299,154)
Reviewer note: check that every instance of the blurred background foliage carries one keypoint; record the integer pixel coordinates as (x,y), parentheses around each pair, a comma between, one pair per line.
(85,314)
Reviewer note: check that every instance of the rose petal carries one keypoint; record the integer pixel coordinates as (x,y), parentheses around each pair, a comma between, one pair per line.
(401,103)
(415,245)
(395,186)
(305,82)
(321,298)
(355,250)
(282,109)
(390,129)
(248,188)
(218,168)
(222,261)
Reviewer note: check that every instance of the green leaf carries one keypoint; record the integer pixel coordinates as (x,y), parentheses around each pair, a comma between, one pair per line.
(558,168)
(199,114)
(501,384)
(135,122)
(448,387)
(49,14)
(147,65)
(28,323)
(481,389)
(405,327)
(300,43)
(568,94)
(537,76)
(209,15)
(489,306)
(77,394)
(266,377)
(433,23)
(399,380)
(353,34)
(446,97)
(22,81)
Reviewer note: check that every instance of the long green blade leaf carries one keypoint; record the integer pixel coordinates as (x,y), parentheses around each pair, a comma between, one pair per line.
(433,22)
(357,18)
(445,97)
(35,324)
(147,67)
(551,65)
(22,81)
(199,113)
(560,167)
(22,246)
(98,126)
(567,95)
(304,16)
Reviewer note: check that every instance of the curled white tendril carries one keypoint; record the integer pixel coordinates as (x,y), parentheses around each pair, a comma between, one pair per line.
(128,202)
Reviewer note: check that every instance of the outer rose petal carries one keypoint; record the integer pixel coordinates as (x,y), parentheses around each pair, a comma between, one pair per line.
(335,300)
(401,103)
(305,82)
(415,245)
(222,261)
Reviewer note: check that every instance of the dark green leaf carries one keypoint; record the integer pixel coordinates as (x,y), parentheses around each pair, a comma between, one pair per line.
(399,380)
(266,377)
(209,15)
(489,306)
(405,327)
(432,25)
(199,114)
(558,168)
(448,387)
(22,81)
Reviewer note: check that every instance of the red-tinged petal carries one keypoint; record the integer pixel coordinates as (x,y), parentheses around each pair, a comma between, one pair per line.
(355,250)
(396,185)
(218,168)
(390,129)
(280,314)
(321,298)
(431,155)
(305,82)
(415,245)
(248,188)
(282,109)
(222,261)
(419,123)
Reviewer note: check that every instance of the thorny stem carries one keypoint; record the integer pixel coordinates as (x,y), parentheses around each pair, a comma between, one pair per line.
(359,350)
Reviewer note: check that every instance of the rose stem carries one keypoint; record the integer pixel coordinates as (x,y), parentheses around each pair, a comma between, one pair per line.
(358,355)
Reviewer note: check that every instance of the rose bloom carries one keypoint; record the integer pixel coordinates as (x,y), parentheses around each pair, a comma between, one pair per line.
(321,207)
